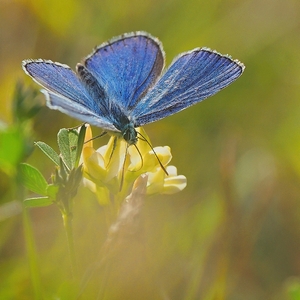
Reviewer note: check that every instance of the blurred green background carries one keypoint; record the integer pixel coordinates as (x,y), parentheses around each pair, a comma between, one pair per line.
(234,232)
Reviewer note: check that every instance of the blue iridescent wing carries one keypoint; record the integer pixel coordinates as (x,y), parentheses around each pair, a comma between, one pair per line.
(127,66)
(66,93)
(191,78)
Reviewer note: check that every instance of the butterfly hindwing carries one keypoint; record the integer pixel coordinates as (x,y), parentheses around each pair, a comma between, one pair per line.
(191,78)
(127,66)
(77,111)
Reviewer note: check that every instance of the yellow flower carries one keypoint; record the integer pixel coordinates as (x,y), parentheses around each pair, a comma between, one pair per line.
(112,169)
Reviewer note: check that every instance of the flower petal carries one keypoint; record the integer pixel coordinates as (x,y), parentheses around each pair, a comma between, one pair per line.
(174,184)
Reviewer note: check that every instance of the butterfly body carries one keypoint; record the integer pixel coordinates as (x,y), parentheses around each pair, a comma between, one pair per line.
(120,86)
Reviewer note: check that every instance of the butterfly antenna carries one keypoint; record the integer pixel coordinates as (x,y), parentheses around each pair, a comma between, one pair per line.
(145,140)
(97,136)
(140,154)
(123,168)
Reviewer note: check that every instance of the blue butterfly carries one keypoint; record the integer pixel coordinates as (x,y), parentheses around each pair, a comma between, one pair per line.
(120,86)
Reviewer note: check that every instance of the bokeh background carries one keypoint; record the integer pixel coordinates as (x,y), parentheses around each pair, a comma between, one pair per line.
(234,232)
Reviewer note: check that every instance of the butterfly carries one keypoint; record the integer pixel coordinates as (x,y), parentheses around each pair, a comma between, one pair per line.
(121,85)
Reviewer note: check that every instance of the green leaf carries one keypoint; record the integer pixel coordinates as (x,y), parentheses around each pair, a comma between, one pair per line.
(49,152)
(33,179)
(67,141)
(52,191)
(37,202)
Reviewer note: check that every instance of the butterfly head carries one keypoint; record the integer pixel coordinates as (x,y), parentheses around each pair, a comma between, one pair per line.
(129,134)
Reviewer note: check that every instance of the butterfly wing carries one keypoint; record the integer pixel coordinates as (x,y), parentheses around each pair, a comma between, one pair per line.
(127,66)
(65,92)
(191,78)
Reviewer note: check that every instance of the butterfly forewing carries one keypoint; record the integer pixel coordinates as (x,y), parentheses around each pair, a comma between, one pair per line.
(127,66)
(192,77)
(65,92)
(59,79)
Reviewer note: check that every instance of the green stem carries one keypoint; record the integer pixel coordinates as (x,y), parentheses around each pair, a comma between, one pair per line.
(69,232)
(32,255)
